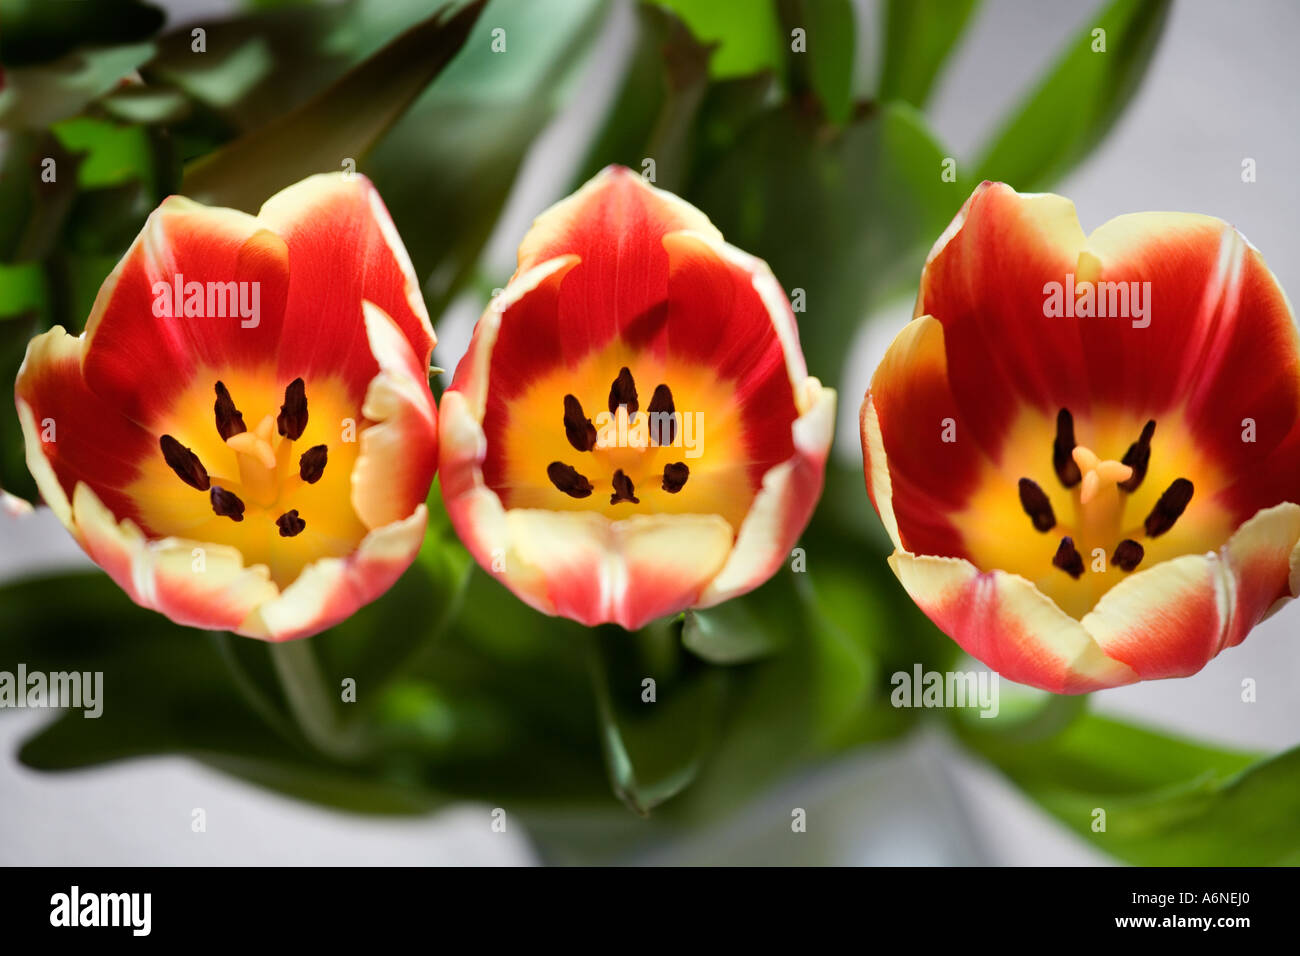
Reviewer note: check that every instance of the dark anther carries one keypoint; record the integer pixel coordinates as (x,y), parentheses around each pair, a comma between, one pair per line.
(566,478)
(1062,459)
(184,462)
(290,524)
(1068,558)
(675,476)
(226,504)
(1138,457)
(229,420)
(312,463)
(1169,508)
(623,392)
(292,419)
(1128,555)
(1034,500)
(663,418)
(623,490)
(577,426)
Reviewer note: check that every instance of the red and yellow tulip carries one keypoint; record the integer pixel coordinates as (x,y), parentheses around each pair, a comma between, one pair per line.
(1083,499)
(633,430)
(243,437)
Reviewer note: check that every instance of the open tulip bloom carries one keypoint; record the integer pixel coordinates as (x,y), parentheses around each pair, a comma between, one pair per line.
(244,437)
(1086,449)
(633,430)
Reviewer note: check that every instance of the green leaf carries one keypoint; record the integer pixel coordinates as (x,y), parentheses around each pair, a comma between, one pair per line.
(111,154)
(919,36)
(446,169)
(1076,104)
(341,123)
(653,748)
(826,65)
(728,634)
(746,33)
(653,117)
(1167,802)
(35,97)
(818,204)
(37,31)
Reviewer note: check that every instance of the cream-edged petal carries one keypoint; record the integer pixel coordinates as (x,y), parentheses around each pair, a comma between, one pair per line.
(783,506)
(1004,621)
(399,451)
(1171,619)
(193,583)
(331,589)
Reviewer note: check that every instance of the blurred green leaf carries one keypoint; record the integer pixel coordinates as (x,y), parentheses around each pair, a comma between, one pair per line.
(341,123)
(1075,105)
(746,33)
(654,735)
(727,634)
(37,96)
(112,154)
(37,31)
(919,36)
(1167,802)
(818,204)
(446,169)
(653,115)
(825,66)
(22,289)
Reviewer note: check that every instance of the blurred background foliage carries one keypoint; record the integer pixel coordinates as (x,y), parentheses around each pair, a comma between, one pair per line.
(462,691)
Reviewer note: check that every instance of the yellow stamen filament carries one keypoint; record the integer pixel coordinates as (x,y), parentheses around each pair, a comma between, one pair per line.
(258,471)
(1101,508)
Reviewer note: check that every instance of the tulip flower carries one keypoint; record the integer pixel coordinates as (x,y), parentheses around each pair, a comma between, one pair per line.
(1086,449)
(244,437)
(633,430)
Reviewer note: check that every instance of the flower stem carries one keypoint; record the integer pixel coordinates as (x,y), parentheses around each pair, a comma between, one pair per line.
(311,702)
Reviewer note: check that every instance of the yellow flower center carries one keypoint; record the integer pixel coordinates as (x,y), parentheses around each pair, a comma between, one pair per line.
(279,491)
(1074,523)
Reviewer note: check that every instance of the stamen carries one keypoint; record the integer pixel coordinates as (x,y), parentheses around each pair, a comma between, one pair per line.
(1036,504)
(226,504)
(312,463)
(566,479)
(663,411)
(292,420)
(1128,555)
(184,462)
(675,476)
(290,524)
(623,489)
(229,420)
(1062,459)
(1138,457)
(623,392)
(1068,558)
(1169,508)
(577,426)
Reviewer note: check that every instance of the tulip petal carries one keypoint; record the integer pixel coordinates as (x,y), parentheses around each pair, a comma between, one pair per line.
(1004,621)
(138,361)
(984,280)
(195,584)
(327,219)
(783,506)
(923,462)
(1170,620)
(399,450)
(331,589)
(92,443)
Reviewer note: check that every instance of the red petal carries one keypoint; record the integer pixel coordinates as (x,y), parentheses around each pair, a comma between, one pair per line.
(136,361)
(330,220)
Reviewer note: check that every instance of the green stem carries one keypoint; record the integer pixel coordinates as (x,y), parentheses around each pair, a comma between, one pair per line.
(311,701)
